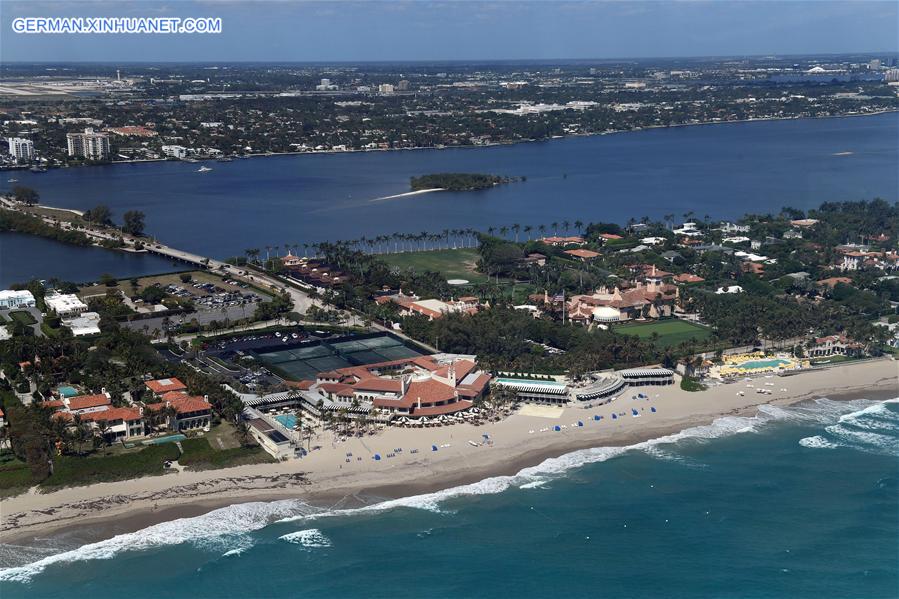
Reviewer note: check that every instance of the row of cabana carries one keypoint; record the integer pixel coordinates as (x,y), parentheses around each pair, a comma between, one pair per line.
(442,420)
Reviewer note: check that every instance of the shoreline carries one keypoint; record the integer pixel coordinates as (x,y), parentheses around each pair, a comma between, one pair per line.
(101,511)
(510,142)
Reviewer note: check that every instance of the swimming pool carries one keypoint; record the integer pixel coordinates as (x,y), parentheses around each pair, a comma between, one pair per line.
(169,439)
(288,420)
(759,364)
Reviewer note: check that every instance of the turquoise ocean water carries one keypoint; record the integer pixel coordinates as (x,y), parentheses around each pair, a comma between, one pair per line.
(794,502)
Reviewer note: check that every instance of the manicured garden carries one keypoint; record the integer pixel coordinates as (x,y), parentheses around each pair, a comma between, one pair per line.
(22,316)
(671,332)
(453,264)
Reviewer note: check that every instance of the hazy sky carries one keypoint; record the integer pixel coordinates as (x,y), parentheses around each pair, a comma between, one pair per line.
(299,30)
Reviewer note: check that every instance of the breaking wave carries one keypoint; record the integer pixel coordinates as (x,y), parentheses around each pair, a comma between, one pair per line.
(310,539)
(214,527)
(844,422)
(873,428)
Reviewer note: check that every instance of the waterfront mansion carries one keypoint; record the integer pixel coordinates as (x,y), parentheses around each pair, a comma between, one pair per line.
(647,296)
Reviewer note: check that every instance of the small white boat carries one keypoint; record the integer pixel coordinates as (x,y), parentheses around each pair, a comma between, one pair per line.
(12,180)
(203,169)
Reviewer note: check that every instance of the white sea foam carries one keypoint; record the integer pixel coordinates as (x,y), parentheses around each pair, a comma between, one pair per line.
(232,522)
(817,442)
(536,484)
(872,428)
(310,538)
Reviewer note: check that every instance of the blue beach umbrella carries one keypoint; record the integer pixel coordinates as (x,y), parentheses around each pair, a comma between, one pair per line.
(652,409)
(579,423)
(614,416)
(597,417)
(557,428)
(433,448)
(377,457)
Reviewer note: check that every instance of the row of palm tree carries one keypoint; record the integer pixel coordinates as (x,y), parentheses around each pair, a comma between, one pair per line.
(395,243)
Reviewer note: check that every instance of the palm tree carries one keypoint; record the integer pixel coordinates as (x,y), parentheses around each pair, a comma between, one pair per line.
(527,230)
(516,228)
(242,430)
(579,225)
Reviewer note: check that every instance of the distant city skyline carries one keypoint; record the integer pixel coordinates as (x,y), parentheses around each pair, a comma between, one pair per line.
(315,31)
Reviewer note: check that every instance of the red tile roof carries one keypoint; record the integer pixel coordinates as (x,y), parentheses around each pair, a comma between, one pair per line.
(82,402)
(126,414)
(161,386)
(304,384)
(429,391)
(183,403)
(688,278)
(378,384)
(584,254)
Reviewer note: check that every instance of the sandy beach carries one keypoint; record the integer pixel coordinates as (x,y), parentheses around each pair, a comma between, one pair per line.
(345,473)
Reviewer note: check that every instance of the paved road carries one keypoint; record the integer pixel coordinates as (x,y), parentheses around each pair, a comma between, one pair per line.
(301,300)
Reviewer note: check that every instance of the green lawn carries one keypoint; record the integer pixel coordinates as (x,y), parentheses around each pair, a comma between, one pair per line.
(199,454)
(453,264)
(23,317)
(671,332)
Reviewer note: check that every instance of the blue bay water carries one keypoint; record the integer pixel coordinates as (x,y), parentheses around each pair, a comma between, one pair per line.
(25,257)
(795,502)
(722,171)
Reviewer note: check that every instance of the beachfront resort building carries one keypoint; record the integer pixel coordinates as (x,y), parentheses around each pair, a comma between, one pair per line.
(435,386)
(90,144)
(599,387)
(16,299)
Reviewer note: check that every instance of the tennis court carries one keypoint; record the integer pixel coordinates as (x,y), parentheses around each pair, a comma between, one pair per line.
(307,359)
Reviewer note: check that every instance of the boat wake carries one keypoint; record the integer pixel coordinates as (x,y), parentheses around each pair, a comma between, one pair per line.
(858,424)
(405,195)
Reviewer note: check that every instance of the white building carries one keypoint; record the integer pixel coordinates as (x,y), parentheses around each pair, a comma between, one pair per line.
(91,145)
(21,149)
(385,88)
(11,300)
(175,151)
(326,86)
(66,305)
(86,323)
